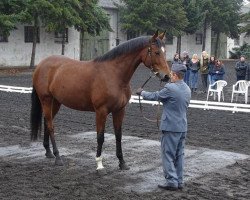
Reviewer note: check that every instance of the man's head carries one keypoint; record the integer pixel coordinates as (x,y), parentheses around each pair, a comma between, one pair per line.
(177,72)
(242,58)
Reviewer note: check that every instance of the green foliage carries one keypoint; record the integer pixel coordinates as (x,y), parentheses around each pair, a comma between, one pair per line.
(245,18)
(10,14)
(93,18)
(194,15)
(146,16)
(225,17)
(238,51)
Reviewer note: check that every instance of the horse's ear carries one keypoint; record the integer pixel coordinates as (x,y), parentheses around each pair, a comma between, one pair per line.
(161,36)
(154,36)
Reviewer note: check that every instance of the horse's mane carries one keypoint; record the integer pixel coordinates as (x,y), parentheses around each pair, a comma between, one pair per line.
(126,47)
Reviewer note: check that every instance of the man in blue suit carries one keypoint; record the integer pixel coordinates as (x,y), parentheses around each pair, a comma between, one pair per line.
(175,97)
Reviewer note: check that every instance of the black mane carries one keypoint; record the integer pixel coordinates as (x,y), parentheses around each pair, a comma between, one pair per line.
(126,47)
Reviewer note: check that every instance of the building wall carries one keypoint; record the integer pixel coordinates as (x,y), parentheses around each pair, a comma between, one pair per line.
(188,43)
(16,52)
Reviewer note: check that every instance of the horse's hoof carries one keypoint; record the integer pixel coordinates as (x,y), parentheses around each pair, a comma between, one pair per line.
(124,166)
(49,155)
(101,172)
(59,161)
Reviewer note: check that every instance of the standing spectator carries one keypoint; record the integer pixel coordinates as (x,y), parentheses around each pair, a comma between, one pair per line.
(194,68)
(204,69)
(186,61)
(211,65)
(241,67)
(176,59)
(218,71)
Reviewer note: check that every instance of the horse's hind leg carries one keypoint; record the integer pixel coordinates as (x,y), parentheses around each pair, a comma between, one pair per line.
(50,108)
(55,107)
(117,121)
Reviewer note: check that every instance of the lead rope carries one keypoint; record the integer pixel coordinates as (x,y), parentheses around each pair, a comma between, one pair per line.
(158,106)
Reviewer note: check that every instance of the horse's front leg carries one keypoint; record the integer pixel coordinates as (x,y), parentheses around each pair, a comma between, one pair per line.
(101,117)
(117,121)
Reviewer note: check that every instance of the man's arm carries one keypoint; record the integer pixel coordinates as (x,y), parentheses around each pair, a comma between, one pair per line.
(156,96)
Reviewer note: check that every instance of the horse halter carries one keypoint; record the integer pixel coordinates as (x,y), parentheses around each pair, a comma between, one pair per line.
(150,55)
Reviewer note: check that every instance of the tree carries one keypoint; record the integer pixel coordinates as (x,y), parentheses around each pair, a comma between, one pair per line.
(10,13)
(64,15)
(139,17)
(206,12)
(245,19)
(93,20)
(172,18)
(194,15)
(225,18)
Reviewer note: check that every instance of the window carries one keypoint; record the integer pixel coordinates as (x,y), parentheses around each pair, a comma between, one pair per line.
(3,38)
(198,38)
(28,34)
(59,36)
(169,39)
(131,35)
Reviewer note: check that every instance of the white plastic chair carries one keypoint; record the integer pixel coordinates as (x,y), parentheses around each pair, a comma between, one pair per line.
(217,88)
(240,87)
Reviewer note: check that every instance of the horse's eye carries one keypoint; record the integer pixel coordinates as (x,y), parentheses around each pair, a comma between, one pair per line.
(157,53)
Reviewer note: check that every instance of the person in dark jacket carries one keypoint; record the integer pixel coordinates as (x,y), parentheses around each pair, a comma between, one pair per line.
(176,59)
(211,65)
(248,72)
(204,70)
(186,61)
(194,68)
(218,71)
(241,67)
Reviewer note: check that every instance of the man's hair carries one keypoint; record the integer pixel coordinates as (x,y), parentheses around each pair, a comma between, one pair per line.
(180,74)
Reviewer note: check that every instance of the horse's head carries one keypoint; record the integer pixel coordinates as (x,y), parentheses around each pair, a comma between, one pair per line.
(155,57)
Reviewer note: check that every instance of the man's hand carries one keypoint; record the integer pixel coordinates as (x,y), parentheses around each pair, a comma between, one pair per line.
(138,91)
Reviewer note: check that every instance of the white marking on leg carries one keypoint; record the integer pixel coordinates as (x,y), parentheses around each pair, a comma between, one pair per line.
(99,163)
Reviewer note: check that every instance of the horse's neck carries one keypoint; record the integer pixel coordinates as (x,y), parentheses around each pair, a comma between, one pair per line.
(126,66)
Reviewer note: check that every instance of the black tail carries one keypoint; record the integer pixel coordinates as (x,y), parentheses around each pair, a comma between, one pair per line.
(35,116)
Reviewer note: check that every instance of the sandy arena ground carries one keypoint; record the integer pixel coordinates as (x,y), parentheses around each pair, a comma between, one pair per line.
(217,152)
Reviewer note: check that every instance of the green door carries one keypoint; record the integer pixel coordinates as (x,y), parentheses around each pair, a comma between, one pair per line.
(93,46)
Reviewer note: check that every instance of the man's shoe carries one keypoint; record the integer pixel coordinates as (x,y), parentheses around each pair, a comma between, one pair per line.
(180,186)
(167,187)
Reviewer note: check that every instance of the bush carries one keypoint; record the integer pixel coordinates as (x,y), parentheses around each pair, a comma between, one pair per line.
(238,51)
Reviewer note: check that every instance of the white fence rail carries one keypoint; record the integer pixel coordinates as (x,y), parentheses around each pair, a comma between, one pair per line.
(206,105)
(8,88)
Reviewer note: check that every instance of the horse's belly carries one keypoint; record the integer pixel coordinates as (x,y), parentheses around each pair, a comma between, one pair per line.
(75,102)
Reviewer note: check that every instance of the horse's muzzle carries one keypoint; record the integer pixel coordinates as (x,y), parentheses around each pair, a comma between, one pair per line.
(165,78)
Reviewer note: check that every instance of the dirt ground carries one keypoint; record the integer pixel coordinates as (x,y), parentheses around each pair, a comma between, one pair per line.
(24,177)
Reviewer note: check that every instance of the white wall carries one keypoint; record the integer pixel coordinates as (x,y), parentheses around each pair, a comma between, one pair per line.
(188,43)
(16,52)
(116,27)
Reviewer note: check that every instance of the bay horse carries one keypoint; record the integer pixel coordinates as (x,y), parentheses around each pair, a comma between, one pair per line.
(101,85)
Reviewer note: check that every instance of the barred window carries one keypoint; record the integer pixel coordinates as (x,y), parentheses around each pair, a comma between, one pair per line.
(3,38)
(28,34)
(198,38)
(59,36)
(169,39)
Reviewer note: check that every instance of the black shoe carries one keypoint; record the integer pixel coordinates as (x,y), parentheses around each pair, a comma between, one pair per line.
(180,186)
(167,187)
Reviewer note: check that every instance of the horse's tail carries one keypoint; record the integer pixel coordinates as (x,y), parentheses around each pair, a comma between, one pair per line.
(35,116)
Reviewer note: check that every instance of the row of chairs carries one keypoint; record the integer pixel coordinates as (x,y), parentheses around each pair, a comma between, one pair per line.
(239,88)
